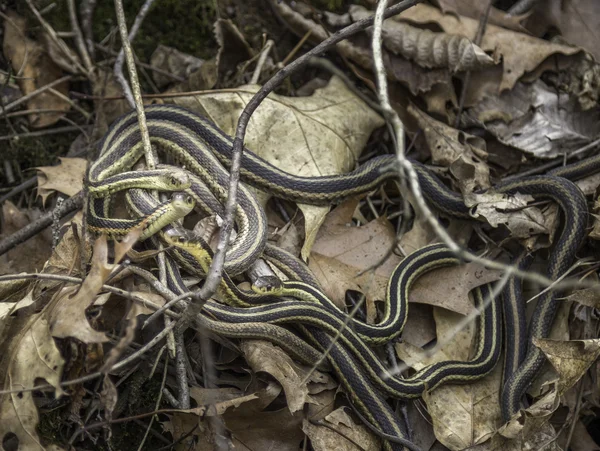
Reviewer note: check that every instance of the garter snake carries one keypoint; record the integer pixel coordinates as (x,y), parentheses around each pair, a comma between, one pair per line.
(360,371)
(202,148)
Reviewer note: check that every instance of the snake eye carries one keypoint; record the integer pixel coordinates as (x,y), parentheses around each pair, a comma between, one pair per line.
(189,200)
(181,239)
(173,181)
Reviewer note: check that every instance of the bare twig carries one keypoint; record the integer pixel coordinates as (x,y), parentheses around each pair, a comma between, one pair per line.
(32,94)
(126,50)
(261,61)
(86,12)
(79,41)
(180,370)
(49,131)
(64,48)
(18,189)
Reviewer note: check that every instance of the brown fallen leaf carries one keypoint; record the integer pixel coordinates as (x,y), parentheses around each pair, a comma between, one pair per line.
(531,117)
(66,178)
(266,357)
(358,50)
(475,9)
(462,415)
(520,53)
(252,427)
(462,153)
(570,359)
(35,69)
(324,439)
(67,311)
(322,134)
(340,252)
(575,20)
(427,48)
(171,60)
(27,353)
(449,287)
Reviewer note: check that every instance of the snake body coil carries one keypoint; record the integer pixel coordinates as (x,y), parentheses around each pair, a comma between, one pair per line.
(203,149)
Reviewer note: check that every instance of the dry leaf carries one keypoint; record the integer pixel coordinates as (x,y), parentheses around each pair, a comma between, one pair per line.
(177,63)
(449,287)
(520,53)
(253,428)
(462,415)
(67,315)
(358,50)
(322,134)
(510,211)
(570,359)
(426,48)
(67,311)
(588,296)
(264,356)
(35,69)
(537,120)
(576,20)
(475,10)
(325,439)
(341,252)
(28,353)
(66,178)
(462,153)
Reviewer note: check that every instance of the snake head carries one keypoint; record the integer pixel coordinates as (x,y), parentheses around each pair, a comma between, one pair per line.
(183,203)
(172,180)
(267,285)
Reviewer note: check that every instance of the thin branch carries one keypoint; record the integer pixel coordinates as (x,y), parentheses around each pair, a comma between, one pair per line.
(126,52)
(54,37)
(135,84)
(79,41)
(86,11)
(32,94)
(261,61)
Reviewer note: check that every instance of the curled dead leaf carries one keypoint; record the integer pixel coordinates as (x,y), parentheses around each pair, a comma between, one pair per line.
(426,48)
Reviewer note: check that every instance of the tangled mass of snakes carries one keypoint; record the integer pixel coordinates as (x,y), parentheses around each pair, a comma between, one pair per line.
(296,314)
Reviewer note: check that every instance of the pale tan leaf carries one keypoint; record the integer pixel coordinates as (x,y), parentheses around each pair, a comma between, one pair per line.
(28,353)
(322,134)
(67,310)
(570,359)
(510,211)
(462,415)
(325,439)
(66,178)
(264,356)
(449,287)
